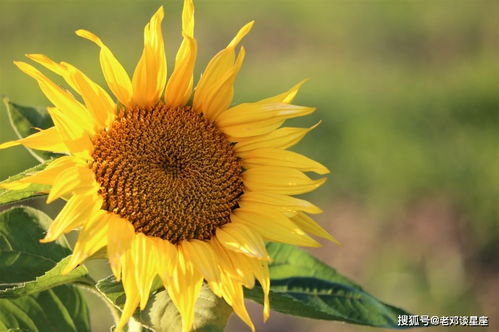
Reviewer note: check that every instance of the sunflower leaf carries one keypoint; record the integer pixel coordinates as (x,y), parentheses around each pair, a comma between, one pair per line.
(301,285)
(26,265)
(22,227)
(161,315)
(32,190)
(28,274)
(49,279)
(62,308)
(25,120)
(289,261)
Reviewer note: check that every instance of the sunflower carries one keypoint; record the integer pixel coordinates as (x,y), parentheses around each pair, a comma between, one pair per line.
(174,183)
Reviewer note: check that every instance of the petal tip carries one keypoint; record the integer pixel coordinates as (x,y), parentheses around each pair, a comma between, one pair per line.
(9,144)
(34,56)
(46,239)
(334,240)
(161,11)
(19,64)
(323,170)
(90,36)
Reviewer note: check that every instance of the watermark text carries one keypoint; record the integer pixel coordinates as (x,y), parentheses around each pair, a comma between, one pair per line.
(427,320)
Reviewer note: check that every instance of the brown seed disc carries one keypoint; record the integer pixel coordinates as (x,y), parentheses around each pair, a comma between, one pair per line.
(169,171)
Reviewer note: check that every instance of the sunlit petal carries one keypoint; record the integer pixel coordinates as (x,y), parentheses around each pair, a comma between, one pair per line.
(116,77)
(149,78)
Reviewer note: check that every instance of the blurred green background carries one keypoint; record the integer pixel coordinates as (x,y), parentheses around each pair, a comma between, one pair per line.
(408,92)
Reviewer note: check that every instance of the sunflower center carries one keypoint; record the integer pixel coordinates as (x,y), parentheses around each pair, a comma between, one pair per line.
(169,171)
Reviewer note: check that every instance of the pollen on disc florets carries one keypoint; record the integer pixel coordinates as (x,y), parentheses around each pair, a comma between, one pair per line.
(169,171)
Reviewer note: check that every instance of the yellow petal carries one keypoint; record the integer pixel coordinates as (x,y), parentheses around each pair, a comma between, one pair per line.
(184,288)
(60,98)
(14,185)
(149,77)
(225,263)
(221,97)
(51,172)
(167,258)
(74,138)
(279,180)
(243,267)
(71,180)
(45,140)
(116,77)
(131,290)
(284,201)
(222,63)
(240,238)
(78,209)
(53,66)
(310,226)
(119,238)
(143,251)
(281,138)
(232,292)
(259,269)
(9,144)
(241,34)
(215,89)
(218,97)
(272,225)
(285,97)
(260,112)
(281,158)
(97,100)
(252,119)
(92,237)
(201,254)
(188,18)
(179,86)
(231,264)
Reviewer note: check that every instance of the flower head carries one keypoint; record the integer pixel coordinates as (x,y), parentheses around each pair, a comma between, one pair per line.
(185,190)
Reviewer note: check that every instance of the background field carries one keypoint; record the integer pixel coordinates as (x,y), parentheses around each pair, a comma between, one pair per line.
(408,95)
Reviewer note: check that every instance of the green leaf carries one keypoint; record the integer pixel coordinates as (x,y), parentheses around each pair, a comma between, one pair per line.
(21,228)
(25,120)
(33,190)
(161,315)
(289,261)
(26,265)
(48,280)
(113,290)
(301,285)
(28,270)
(59,309)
